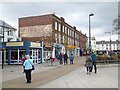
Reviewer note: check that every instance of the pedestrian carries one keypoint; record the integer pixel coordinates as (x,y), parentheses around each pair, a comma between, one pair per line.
(23,60)
(47,58)
(88,64)
(71,59)
(28,67)
(65,59)
(93,55)
(60,58)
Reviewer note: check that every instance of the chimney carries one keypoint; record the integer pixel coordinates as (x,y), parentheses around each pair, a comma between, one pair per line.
(62,19)
(74,27)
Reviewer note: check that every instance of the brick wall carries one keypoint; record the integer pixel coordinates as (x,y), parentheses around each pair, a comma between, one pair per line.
(36,31)
(35,20)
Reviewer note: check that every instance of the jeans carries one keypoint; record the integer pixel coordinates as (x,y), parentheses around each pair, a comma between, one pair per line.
(71,61)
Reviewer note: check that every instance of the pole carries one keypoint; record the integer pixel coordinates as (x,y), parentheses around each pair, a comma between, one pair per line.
(110,42)
(89,36)
(90,33)
(3,47)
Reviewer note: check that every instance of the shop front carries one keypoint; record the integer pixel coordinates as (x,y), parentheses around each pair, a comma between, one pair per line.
(72,50)
(59,48)
(14,52)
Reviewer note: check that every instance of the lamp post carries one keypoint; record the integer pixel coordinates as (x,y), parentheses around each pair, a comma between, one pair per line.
(3,45)
(90,33)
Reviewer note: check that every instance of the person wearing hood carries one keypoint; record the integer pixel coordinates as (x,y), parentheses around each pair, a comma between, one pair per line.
(71,59)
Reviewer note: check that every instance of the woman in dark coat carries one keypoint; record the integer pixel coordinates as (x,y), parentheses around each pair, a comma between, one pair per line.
(60,58)
(65,58)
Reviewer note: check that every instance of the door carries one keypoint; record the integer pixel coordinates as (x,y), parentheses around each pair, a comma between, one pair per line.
(35,55)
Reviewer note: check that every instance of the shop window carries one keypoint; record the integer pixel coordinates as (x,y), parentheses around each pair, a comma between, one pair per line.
(14,54)
(21,54)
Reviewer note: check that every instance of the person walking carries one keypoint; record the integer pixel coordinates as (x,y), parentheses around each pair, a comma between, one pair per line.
(23,58)
(71,59)
(93,55)
(88,64)
(60,58)
(65,59)
(28,66)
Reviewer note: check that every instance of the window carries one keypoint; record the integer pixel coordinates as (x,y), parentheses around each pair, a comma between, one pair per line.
(59,27)
(59,38)
(14,54)
(68,41)
(68,31)
(63,39)
(72,33)
(56,38)
(21,53)
(1,30)
(63,30)
(55,25)
(11,32)
(72,41)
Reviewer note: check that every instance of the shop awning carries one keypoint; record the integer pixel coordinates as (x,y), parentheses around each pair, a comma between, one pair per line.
(58,46)
(71,47)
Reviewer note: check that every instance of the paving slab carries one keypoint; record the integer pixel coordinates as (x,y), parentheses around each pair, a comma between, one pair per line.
(41,77)
(106,77)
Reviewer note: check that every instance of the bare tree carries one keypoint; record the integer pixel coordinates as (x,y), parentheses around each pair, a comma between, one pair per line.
(116,26)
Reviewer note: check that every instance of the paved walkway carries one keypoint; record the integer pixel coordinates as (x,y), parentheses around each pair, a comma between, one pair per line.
(107,77)
(61,76)
(43,74)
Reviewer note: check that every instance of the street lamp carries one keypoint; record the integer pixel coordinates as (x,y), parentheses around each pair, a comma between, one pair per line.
(3,45)
(90,33)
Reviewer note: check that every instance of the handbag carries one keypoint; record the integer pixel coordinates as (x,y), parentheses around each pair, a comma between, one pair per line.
(33,68)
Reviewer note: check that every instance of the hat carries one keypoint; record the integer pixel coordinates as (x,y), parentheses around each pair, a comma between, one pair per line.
(27,56)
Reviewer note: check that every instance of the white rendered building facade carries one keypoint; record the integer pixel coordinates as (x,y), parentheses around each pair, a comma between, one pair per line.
(106,46)
(7,32)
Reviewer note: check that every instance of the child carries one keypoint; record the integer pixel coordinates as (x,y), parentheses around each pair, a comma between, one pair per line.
(88,64)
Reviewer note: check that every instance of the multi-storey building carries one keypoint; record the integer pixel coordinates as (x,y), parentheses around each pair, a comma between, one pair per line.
(93,44)
(7,33)
(106,46)
(53,31)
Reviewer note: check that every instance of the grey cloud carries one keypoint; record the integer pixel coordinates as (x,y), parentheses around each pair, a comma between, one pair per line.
(75,13)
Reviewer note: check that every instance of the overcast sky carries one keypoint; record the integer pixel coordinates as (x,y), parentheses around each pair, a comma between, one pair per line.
(74,13)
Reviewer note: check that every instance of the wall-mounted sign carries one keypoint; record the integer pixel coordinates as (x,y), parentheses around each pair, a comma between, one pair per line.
(71,47)
(14,44)
(35,44)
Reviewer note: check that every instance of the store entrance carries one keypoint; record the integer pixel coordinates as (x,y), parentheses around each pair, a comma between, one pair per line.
(35,55)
